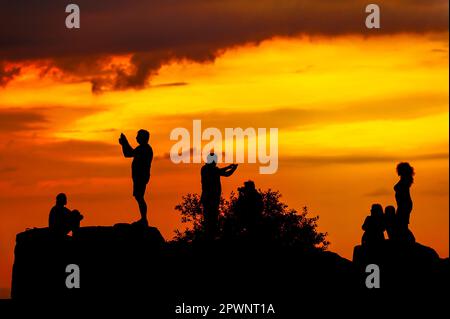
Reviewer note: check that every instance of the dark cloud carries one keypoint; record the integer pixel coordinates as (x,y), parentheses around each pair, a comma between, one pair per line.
(157,32)
(170,84)
(7,73)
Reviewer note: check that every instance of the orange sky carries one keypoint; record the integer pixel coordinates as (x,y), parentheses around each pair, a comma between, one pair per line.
(348,108)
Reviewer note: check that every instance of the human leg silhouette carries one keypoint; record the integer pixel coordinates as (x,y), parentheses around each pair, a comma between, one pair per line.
(142,207)
(138,193)
(210,215)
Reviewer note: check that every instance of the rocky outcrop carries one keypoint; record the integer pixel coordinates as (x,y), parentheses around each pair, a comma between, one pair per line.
(103,254)
(403,265)
(133,263)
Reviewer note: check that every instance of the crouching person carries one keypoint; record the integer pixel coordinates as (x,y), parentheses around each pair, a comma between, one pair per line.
(62,220)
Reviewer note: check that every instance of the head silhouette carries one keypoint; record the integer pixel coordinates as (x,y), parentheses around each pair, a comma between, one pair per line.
(376,210)
(142,137)
(61,199)
(406,172)
(250,185)
(211,159)
(389,210)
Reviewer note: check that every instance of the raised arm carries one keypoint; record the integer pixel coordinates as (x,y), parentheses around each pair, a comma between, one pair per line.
(127,150)
(228,170)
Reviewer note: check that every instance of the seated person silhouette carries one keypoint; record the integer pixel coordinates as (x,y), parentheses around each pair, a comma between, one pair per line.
(61,219)
(211,192)
(140,168)
(249,209)
(404,202)
(390,220)
(373,227)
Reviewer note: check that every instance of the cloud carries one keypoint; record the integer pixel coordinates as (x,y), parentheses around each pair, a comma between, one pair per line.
(77,149)
(157,32)
(170,84)
(28,162)
(400,107)
(38,118)
(85,151)
(7,73)
(360,159)
(7,169)
(15,119)
(379,192)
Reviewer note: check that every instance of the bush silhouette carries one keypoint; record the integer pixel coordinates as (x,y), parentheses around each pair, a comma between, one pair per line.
(277,224)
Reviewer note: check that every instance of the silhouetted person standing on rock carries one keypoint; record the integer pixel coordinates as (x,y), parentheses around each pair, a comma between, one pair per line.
(404,201)
(211,192)
(140,168)
(249,208)
(62,220)
(374,227)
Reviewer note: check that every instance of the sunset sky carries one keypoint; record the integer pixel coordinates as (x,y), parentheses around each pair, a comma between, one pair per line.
(349,103)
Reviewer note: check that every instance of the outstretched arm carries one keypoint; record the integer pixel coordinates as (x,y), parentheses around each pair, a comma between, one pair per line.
(228,170)
(127,150)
